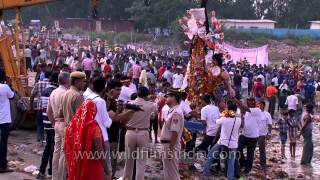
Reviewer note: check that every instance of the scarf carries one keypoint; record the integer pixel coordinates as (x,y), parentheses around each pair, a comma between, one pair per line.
(79,137)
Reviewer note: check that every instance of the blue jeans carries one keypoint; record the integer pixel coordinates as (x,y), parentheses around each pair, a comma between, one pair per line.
(40,126)
(108,155)
(215,154)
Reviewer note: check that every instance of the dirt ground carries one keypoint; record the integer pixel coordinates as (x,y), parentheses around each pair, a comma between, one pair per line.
(23,151)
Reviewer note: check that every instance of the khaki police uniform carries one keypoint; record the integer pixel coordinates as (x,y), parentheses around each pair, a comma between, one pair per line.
(170,158)
(137,139)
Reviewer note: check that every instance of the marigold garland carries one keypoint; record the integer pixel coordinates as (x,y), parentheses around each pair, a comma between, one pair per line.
(228,114)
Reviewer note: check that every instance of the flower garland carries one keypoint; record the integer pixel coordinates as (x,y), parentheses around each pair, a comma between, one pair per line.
(228,114)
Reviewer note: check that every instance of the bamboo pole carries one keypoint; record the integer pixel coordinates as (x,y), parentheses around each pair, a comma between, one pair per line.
(23,59)
(16,36)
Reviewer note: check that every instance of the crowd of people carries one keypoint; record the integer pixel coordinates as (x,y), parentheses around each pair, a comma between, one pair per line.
(110,101)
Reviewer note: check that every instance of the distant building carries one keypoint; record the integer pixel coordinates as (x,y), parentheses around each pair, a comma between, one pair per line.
(314,24)
(95,25)
(248,24)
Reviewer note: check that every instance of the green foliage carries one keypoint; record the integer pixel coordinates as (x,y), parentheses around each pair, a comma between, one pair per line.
(315,54)
(301,40)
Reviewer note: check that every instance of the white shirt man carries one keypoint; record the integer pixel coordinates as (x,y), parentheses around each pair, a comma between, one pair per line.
(69,60)
(275,81)
(177,80)
(210,113)
(292,102)
(252,122)
(226,124)
(5,95)
(266,120)
(87,93)
(27,52)
(283,86)
(125,94)
(102,116)
(133,87)
(244,82)
(185,107)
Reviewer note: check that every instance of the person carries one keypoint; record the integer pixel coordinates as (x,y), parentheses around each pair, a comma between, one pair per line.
(154,122)
(264,129)
(275,81)
(84,136)
(168,75)
(119,118)
(27,53)
(177,78)
(126,92)
(136,71)
(54,105)
(102,116)
(293,126)
(306,132)
(250,134)
(71,101)
(161,71)
(89,89)
(284,86)
(271,94)
(282,101)
(87,64)
(292,102)
(170,136)
(237,80)
(36,92)
(230,125)
(75,65)
(48,128)
(5,120)
(107,68)
(244,87)
(69,59)
(127,65)
(137,135)
(317,99)
(258,89)
(209,114)
(283,132)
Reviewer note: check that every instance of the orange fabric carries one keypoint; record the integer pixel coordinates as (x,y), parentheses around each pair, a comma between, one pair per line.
(80,134)
(271,91)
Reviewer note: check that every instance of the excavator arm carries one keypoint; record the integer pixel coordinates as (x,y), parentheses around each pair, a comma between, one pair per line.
(11,4)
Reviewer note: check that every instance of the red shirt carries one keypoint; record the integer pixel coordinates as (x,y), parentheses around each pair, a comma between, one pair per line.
(161,70)
(107,69)
(258,89)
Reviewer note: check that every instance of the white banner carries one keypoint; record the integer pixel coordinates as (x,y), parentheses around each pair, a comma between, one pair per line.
(254,56)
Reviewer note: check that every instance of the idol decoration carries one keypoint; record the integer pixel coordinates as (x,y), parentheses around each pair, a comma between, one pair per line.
(205,73)
(296,70)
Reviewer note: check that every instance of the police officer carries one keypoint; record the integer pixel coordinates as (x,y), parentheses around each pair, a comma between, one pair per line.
(137,136)
(170,136)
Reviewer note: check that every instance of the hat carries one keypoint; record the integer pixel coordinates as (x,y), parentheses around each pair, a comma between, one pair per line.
(174,91)
(78,74)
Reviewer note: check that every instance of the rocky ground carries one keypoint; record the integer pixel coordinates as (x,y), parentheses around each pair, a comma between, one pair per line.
(24,157)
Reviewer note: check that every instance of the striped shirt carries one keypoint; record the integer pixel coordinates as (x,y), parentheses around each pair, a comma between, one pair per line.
(44,102)
(37,91)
